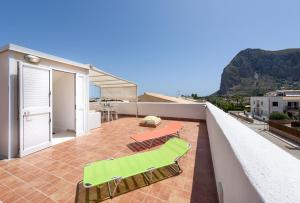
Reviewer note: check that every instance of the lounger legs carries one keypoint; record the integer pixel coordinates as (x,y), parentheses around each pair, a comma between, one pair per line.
(116,182)
(87,194)
(151,174)
(144,145)
(109,190)
(177,165)
(146,178)
(149,179)
(151,143)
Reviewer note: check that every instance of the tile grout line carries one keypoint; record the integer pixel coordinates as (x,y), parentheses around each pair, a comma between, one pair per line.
(34,186)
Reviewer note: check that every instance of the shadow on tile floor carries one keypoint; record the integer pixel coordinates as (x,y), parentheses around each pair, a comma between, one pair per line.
(100,193)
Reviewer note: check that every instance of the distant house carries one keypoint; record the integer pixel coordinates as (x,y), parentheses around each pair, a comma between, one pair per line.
(284,101)
(156,97)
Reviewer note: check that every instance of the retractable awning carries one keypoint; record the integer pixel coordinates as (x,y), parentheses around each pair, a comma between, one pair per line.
(113,87)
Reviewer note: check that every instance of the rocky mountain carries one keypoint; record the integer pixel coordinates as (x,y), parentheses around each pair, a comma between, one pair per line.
(255,72)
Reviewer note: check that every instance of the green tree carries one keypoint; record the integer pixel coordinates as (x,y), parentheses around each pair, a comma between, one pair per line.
(278,116)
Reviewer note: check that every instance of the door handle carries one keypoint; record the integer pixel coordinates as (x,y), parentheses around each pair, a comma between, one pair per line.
(26,115)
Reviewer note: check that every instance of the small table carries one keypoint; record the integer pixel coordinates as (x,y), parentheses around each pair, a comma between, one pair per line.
(106,112)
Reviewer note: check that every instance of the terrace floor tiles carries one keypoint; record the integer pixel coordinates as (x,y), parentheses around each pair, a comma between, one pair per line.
(23,190)
(51,175)
(36,196)
(10,196)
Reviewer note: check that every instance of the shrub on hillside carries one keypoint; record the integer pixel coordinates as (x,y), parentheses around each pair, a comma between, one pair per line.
(278,116)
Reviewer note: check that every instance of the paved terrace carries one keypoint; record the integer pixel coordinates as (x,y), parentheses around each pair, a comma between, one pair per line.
(51,175)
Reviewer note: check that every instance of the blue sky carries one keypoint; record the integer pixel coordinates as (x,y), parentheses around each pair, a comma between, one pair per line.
(164,46)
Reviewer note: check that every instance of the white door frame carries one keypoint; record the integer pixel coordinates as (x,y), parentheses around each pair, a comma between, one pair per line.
(84,103)
(56,68)
(74,75)
(21,112)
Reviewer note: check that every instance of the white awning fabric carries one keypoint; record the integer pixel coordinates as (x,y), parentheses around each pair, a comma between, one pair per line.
(113,87)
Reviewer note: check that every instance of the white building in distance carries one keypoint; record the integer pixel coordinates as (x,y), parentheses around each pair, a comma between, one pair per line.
(284,101)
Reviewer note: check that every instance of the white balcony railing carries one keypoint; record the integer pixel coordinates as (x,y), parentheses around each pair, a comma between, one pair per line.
(249,167)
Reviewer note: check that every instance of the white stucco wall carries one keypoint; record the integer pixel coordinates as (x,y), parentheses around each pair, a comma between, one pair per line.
(228,170)
(94,120)
(125,108)
(249,167)
(4,105)
(172,110)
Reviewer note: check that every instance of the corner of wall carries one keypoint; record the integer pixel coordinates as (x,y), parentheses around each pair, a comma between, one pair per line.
(4,107)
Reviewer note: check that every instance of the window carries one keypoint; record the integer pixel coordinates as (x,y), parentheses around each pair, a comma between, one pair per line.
(262,103)
(275,104)
(253,102)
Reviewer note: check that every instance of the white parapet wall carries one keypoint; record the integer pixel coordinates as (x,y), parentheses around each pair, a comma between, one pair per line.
(129,108)
(172,110)
(161,109)
(248,167)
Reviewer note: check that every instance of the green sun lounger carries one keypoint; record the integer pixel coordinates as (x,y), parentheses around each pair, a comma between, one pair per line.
(114,170)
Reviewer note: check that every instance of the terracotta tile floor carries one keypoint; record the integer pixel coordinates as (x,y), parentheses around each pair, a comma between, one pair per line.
(51,175)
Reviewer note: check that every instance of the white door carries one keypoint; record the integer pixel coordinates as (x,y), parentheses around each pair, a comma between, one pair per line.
(80,104)
(34,108)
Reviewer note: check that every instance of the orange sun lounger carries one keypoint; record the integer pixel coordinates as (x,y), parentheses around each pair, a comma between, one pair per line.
(172,129)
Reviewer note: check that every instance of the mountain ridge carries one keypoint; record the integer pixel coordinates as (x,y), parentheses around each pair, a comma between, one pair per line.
(254,72)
